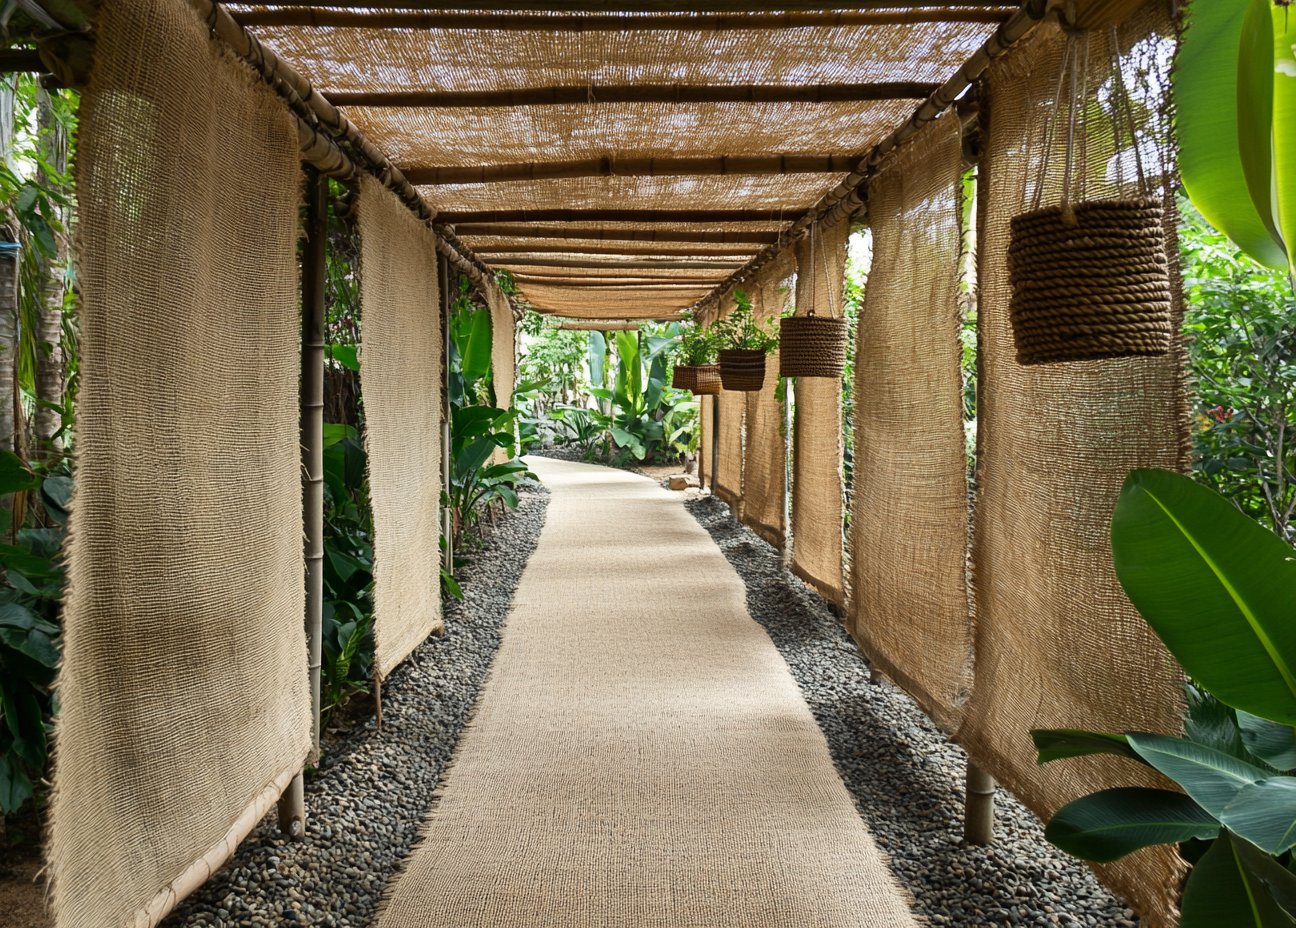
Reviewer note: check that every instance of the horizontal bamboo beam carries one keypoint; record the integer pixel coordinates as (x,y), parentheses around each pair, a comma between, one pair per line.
(454,218)
(641,264)
(633,167)
(645,6)
(641,93)
(497,253)
(21,59)
(562,276)
(845,200)
(508,230)
(656,286)
(599,327)
(414,18)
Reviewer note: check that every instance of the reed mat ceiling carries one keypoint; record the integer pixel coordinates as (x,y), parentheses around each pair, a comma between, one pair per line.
(370,55)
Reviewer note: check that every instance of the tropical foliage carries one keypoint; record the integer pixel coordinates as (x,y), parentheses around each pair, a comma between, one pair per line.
(1220,592)
(741,331)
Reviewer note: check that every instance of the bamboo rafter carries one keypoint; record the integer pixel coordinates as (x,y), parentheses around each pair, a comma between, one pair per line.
(501,252)
(618,215)
(647,6)
(638,93)
(633,167)
(511,230)
(540,22)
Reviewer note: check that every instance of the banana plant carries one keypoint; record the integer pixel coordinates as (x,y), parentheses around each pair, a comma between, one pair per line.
(1235,97)
(1220,591)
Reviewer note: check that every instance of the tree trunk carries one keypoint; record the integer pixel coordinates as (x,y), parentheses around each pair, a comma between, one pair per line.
(8,276)
(48,421)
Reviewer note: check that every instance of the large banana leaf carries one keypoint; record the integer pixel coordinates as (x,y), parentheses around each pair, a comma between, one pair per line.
(1284,127)
(1211,777)
(1205,84)
(1107,825)
(1225,891)
(1265,814)
(1217,588)
(1060,743)
(1255,96)
(597,358)
(1273,743)
(477,350)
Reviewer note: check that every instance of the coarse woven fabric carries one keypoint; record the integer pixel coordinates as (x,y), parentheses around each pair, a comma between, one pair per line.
(401,378)
(706,412)
(610,782)
(1057,642)
(183,688)
(729,437)
(503,347)
(909,521)
(817,504)
(765,455)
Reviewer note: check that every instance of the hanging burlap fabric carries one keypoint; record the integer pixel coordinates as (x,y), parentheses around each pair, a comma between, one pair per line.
(185,708)
(503,349)
(707,439)
(765,456)
(733,410)
(817,433)
(909,520)
(401,378)
(1057,643)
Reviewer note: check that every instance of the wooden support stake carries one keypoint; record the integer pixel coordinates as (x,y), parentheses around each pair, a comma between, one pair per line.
(292,809)
(978,807)
(447,437)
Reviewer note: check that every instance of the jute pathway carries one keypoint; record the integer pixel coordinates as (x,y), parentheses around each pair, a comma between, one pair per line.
(641,757)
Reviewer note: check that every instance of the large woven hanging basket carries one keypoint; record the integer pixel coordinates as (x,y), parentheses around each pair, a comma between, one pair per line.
(1097,288)
(742,371)
(811,346)
(702,379)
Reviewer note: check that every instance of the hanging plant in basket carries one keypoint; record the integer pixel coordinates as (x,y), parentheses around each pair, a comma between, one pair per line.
(744,346)
(1090,279)
(696,369)
(810,345)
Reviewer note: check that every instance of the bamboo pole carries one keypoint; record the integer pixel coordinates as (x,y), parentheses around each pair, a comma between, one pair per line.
(743,165)
(844,200)
(599,327)
(619,215)
(513,230)
(644,6)
(292,804)
(647,287)
(446,302)
(639,93)
(545,22)
(633,264)
(978,807)
(666,251)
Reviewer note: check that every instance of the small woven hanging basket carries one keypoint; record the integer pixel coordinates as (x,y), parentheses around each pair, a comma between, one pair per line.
(684,377)
(1098,288)
(812,347)
(742,371)
(707,380)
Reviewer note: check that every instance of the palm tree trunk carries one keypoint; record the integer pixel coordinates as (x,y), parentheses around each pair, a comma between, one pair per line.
(47,421)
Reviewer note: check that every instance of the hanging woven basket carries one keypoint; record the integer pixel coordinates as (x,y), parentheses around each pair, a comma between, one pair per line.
(810,346)
(702,379)
(742,371)
(1095,288)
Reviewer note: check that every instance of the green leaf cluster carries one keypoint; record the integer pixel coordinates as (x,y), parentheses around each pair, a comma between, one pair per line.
(740,331)
(1220,592)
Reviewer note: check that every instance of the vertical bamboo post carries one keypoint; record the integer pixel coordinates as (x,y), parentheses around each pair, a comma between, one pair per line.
(292,805)
(715,439)
(447,438)
(789,399)
(978,807)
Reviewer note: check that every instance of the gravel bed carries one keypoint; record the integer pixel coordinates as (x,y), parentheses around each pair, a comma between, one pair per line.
(907,779)
(366,805)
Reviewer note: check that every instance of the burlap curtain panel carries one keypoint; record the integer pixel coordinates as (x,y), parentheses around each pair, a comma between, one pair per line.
(909,520)
(706,440)
(185,707)
(401,377)
(503,349)
(817,506)
(1057,643)
(765,454)
(729,439)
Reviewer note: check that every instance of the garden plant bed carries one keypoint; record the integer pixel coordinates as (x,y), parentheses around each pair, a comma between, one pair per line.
(906,777)
(373,790)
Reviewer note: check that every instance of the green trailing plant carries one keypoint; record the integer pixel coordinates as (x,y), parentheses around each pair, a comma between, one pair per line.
(1235,98)
(739,330)
(697,345)
(30,622)
(1220,592)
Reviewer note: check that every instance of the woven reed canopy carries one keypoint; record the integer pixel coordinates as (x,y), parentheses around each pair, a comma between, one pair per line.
(623,164)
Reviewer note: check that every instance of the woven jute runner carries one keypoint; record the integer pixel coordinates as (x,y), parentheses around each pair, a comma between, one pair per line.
(641,755)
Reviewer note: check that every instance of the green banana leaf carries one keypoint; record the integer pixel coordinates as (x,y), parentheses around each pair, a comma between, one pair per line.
(1205,87)
(1217,588)
(1272,743)
(1211,777)
(1255,97)
(597,358)
(1107,825)
(1059,743)
(1265,814)
(477,352)
(1284,128)
(1223,891)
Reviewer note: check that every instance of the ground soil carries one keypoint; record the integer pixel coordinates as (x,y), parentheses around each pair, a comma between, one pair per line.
(22,886)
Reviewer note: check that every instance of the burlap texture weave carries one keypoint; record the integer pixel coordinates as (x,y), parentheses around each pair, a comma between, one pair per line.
(503,349)
(1057,643)
(729,438)
(765,456)
(648,763)
(817,505)
(909,520)
(184,685)
(401,341)
(706,440)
